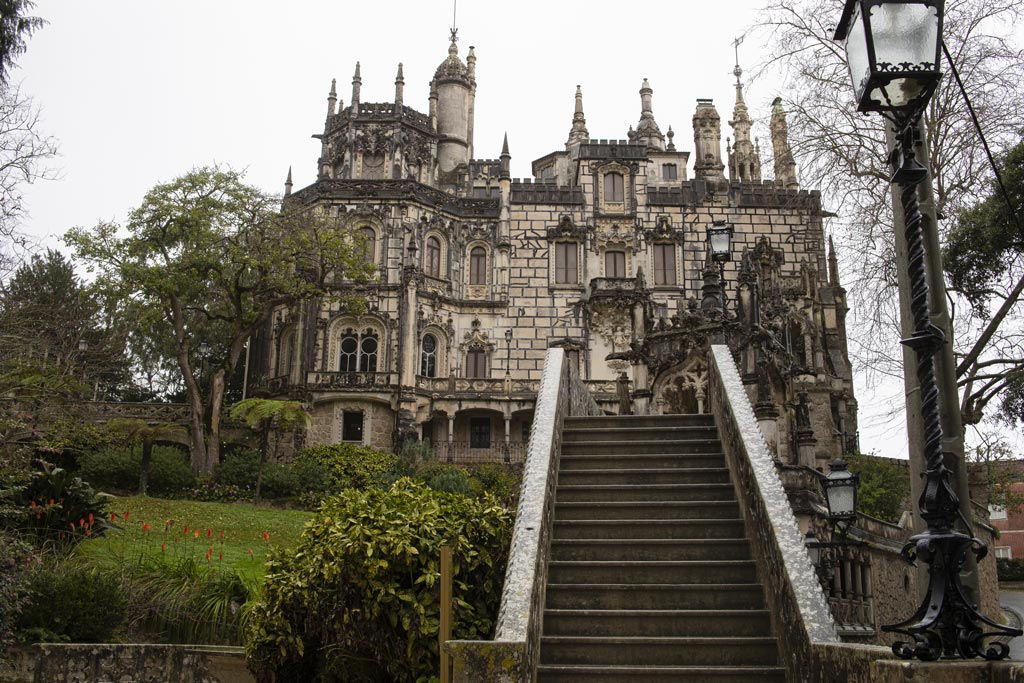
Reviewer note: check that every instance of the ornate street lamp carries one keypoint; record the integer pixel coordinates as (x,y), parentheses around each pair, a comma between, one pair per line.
(719,238)
(508,351)
(841,496)
(893,51)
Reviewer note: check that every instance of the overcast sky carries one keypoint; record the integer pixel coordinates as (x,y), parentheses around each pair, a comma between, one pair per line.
(138,92)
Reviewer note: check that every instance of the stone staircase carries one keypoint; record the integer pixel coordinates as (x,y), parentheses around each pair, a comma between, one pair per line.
(650,575)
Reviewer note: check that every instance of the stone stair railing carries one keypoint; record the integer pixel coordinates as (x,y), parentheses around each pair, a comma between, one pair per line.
(513,654)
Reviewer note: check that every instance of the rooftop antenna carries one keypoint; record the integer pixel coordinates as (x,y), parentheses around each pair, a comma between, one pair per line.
(455,31)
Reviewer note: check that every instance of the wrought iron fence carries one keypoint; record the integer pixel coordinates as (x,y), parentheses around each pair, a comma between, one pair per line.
(467,452)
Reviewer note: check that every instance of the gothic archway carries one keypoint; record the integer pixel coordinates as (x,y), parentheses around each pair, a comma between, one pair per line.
(683,388)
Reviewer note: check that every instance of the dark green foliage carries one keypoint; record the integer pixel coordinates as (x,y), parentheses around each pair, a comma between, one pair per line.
(445,477)
(15,26)
(279,481)
(348,465)
(238,468)
(358,600)
(59,506)
(884,486)
(15,556)
(1010,570)
(499,480)
(72,603)
(117,470)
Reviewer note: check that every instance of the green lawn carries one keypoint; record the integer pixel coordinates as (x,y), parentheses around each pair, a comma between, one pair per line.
(151,527)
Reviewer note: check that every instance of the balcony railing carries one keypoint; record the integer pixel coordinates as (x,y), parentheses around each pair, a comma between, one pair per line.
(465,452)
(476,385)
(350,380)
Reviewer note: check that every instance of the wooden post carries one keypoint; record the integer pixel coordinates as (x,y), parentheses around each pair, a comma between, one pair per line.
(445,632)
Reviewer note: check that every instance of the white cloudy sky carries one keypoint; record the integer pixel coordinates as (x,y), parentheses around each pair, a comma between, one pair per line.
(138,92)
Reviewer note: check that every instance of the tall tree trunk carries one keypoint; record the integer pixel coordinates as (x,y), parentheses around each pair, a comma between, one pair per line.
(217,386)
(264,450)
(147,459)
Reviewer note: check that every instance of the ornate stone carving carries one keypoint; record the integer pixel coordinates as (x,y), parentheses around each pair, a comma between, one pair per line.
(567,228)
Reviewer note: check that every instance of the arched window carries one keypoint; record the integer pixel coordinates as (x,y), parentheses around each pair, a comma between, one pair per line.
(613,191)
(368,353)
(432,259)
(478,266)
(369,238)
(349,345)
(615,264)
(428,359)
(476,363)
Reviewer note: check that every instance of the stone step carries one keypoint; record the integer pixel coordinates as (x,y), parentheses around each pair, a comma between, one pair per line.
(643,492)
(705,572)
(709,509)
(571,462)
(657,623)
(665,651)
(630,447)
(655,596)
(616,433)
(644,475)
(639,421)
(650,549)
(649,528)
(554,673)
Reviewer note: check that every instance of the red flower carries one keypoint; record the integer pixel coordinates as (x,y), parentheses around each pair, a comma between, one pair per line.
(88,532)
(163,547)
(250,553)
(113,516)
(81,522)
(72,525)
(222,537)
(266,537)
(32,504)
(51,501)
(91,518)
(197,533)
(209,533)
(220,557)
(126,515)
(186,530)
(146,527)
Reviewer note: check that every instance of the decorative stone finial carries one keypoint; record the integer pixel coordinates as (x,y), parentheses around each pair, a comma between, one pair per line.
(578,133)
(288,183)
(357,83)
(647,131)
(332,98)
(399,88)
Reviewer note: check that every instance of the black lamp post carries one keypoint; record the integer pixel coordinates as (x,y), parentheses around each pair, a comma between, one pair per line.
(719,238)
(840,487)
(893,49)
(508,351)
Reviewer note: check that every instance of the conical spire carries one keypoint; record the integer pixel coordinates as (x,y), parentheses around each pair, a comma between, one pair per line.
(357,83)
(647,131)
(833,264)
(744,163)
(288,183)
(506,158)
(399,88)
(578,133)
(785,165)
(332,98)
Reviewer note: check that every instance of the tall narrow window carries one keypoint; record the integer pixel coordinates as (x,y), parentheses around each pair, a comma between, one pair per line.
(565,263)
(432,262)
(613,187)
(615,264)
(476,363)
(480,432)
(349,345)
(664,264)
(368,354)
(428,361)
(478,266)
(669,172)
(368,245)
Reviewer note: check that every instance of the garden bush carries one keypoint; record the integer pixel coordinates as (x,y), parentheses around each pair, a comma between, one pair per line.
(117,470)
(349,465)
(358,599)
(58,506)
(279,481)
(15,557)
(71,603)
(498,480)
(1010,569)
(238,468)
(451,478)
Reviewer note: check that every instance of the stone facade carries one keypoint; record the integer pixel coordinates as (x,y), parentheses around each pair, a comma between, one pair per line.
(603,252)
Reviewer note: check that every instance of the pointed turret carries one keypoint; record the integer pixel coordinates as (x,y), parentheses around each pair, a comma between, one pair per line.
(288,183)
(332,98)
(506,159)
(578,133)
(744,163)
(647,131)
(707,142)
(471,63)
(399,89)
(785,166)
(452,91)
(357,84)
(833,264)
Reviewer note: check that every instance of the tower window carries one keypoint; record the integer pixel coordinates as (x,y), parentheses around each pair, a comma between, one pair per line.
(476,363)
(480,432)
(478,266)
(349,344)
(664,264)
(428,360)
(615,264)
(368,354)
(566,269)
(432,259)
(613,187)
(368,242)
(669,172)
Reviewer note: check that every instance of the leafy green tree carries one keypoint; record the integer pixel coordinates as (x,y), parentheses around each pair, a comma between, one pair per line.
(15,26)
(146,435)
(266,416)
(996,467)
(884,490)
(208,258)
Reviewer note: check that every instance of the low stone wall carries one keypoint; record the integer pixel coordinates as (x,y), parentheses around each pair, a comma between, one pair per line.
(125,664)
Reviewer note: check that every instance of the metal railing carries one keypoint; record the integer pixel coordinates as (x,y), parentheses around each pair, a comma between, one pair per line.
(468,452)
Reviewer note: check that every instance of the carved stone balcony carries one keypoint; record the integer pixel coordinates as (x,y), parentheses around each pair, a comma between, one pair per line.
(616,288)
(348,381)
(477,387)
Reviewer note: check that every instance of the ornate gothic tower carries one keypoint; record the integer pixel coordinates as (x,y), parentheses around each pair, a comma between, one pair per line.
(707,142)
(647,131)
(785,166)
(744,158)
(453,89)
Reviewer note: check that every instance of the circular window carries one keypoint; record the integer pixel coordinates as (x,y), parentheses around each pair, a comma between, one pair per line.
(348,345)
(429,343)
(369,345)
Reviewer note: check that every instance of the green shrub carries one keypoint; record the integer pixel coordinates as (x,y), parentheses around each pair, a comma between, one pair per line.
(15,557)
(58,506)
(1010,569)
(498,480)
(169,472)
(279,481)
(350,466)
(111,469)
(358,599)
(72,603)
(238,468)
(451,478)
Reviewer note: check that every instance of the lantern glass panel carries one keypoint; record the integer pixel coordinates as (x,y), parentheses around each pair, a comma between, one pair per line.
(857,54)
(841,498)
(721,244)
(905,36)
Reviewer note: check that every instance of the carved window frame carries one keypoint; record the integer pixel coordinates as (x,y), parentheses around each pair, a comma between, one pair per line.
(442,270)
(359,328)
(478,290)
(556,246)
(657,247)
(440,352)
(605,204)
(616,248)
(284,356)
